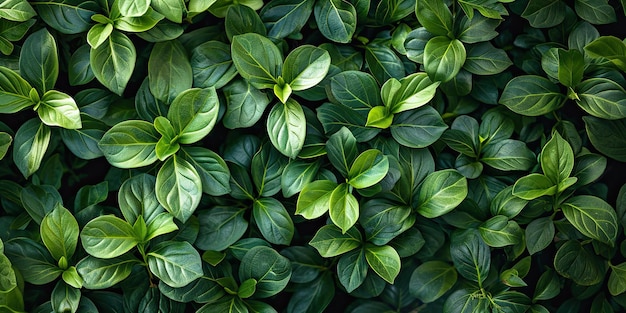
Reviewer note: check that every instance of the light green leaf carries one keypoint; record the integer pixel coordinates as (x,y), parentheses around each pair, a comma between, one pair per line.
(314,199)
(408,93)
(161,224)
(169,70)
(113,62)
(557,159)
(138,24)
(213,171)
(14,92)
(178,187)
(130,144)
(176,263)
(107,237)
(30,145)
(133,7)
(602,98)
(531,95)
(336,19)
(368,169)
(104,273)
(193,114)
(39,60)
(16,10)
(533,186)
(435,17)
(593,217)
(331,241)
(172,9)
(384,260)
(257,59)
(59,109)
(344,207)
(508,155)
(98,34)
(286,127)
(441,192)
(273,221)
(59,232)
(617,279)
(5,143)
(431,280)
(443,58)
(608,47)
(499,232)
(379,117)
(305,67)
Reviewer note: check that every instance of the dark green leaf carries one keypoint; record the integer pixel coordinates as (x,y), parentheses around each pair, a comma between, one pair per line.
(595,11)
(80,72)
(113,62)
(176,263)
(257,59)
(212,65)
(477,29)
(271,270)
(617,279)
(212,169)
(608,47)
(39,200)
(512,301)
(331,241)
(266,170)
(227,304)
(602,98)
(137,197)
(178,187)
(593,217)
(285,17)
(104,273)
(68,17)
(273,221)
(334,117)
(508,155)
(539,234)
(383,63)
(485,59)
(169,70)
(548,286)
(336,19)
(5,143)
(65,298)
(220,227)
(443,58)
(130,144)
(607,136)
(39,61)
(352,269)
(313,297)
(241,19)
(245,104)
(32,260)
(29,146)
(383,220)
(471,255)
(557,159)
(431,280)
(435,17)
(570,71)
(575,262)
(531,95)
(543,14)
(499,231)
(296,175)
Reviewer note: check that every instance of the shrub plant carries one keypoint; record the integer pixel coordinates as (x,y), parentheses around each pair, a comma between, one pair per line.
(312,156)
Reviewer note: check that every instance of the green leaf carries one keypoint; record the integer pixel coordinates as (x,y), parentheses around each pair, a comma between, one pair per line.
(608,47)
(245,104)
(593,217)
(331,241)
(178,188)
(379,117)
(333,117)
(14,92)
(220,227)
(68,17)
(59,109)
(609,137)
(418,128)
(113,62)
(285,17)
(602,98)
(193,114)
(176,263)
(544,14)
(138,24)
(571,67)
(352,269)
(508,155)
(383,63)
(213,170)
(270,269)
(136,197)
(162,224)
(435,17)
(305,67)
(617,279)
(39,60)
(533,186)
(212,65)
(267,167)
(79,69)
(344,207)
(485,59)
(5,143)
(336,19)
(384,260)
(105,273)
(369,168)
(282,90)
(242,19)
(531,95)
(441,192)
(539,234)
(172,9)
(8,281)
(431,280)
(471,255)
(226,304)
(408,93)
(286,127)
(575,262)
(65,298)
(98,34)
(443,58)
(130,144)
(512,301)
(595,11)
(39,200)
(133,8)
(59,233)
(257,59)
(247,288)
(107,237)
(169,70)
(499,231)
(16,10)
(33,260)
(355,89)
(314,296)
(383,220)
(30,145)
(557,159)
(296,175)
(314,199)
(548,286)
(273,221)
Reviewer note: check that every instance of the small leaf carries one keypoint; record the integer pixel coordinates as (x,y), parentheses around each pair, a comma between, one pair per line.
(531,95)
(33,260)
(608,47)
(193,114)
(130,144)
(285,17)
(273,221)
(107,237)
(59,232)
(602,98)
(305,67)
(30,145)
(607,136)
(220,227)
(14,92)
(543,14)
(270,269)
(344,207)
(39,60)
(571,69)
(557,159)
(384,260)
(431,280)
(593,217)
(257,59)
(16,10)
(314,199)
(336,19)
(286,127)
(533,186)
(441,192)
(443,58)
(5,143)
(331,241)
(435,17)
(59,109)
(113,62)
(539,234)
(595,11)
(104,273)
(408,93)
(213,170)
(247,288)
(342,150)
(176,263)
(548,286)
(369,168)
(575,262)
(178,188)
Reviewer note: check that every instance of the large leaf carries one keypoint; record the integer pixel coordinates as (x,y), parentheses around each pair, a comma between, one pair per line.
(384,260)
(104,273)
(543,14)
(137,197)
(169,70)
(213,170)
(431,280)
(331,241)
(383,63)
(435,17)
(443,58)
(59,109)
(33,260)
(242,19)
(68,17)
(595,11)
(176,263)
(344,207)
(285,17)
(133,8)
(609,137)
(531,95)
(271,270)
(16,10)
(577,263)
(485,59)
(418,128)
(14,92)
(471,255)
(107,237)
(178,187)
(30,145)
(352,269)
(172,9)
(113,62)
(39,61)
(267,168)
(305,67)
(273,221)
(593,217)
(608,47)
(257,59)
(220,227)
(286,127)
(212,64)
(130,144)
(59,233)
(193,114)
(602,98)
(296,175)
(441,192)
(336,19)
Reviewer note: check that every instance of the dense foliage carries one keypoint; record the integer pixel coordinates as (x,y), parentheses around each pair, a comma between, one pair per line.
(312,155)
